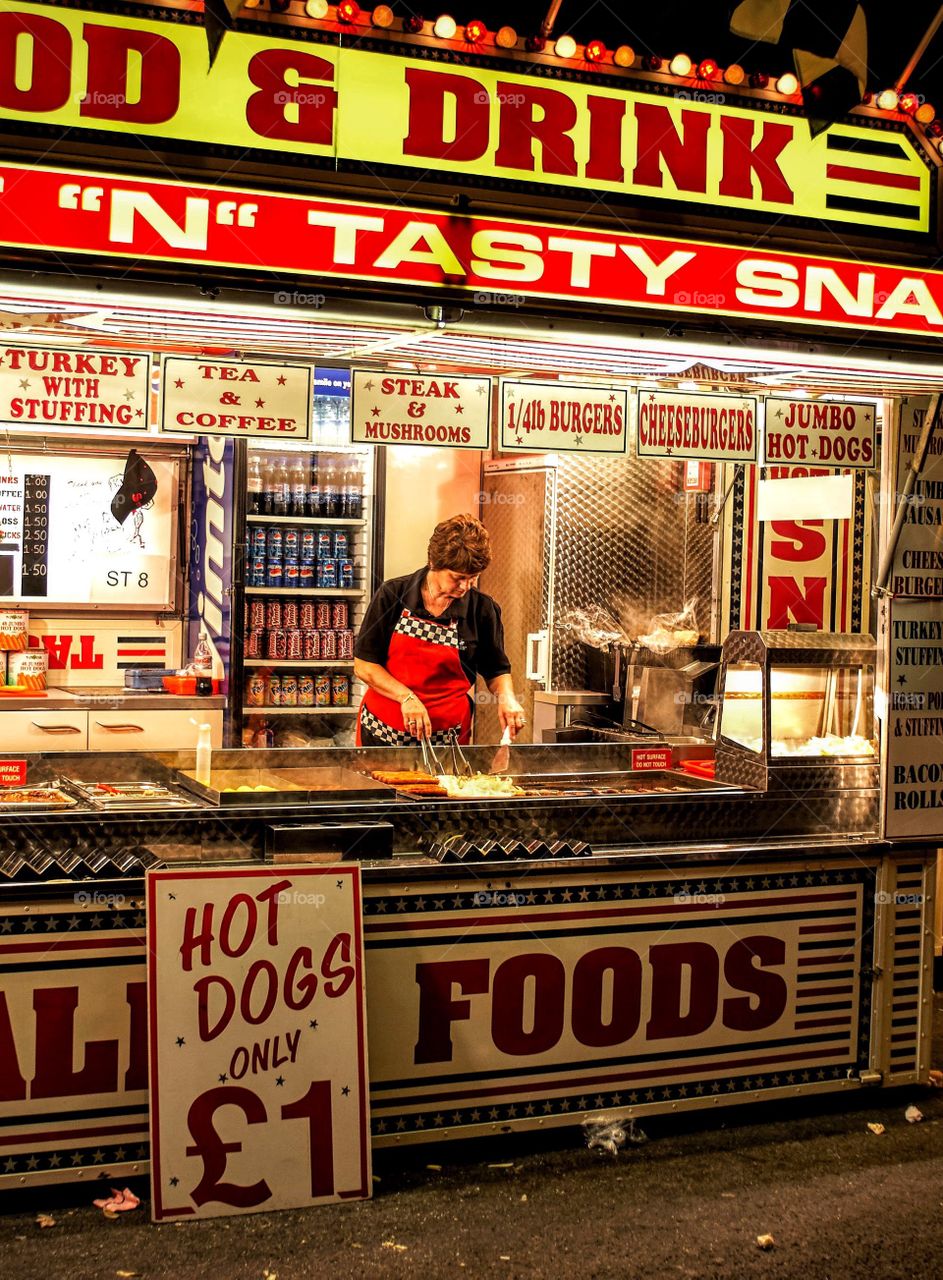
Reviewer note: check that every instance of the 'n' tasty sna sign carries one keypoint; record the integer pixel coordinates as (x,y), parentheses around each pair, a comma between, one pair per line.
(87,70)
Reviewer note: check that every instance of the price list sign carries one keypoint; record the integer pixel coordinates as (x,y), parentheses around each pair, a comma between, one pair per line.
(258,1067)
(35,535)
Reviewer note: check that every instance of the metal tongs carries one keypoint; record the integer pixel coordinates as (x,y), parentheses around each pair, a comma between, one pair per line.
(460,765)
(429,759)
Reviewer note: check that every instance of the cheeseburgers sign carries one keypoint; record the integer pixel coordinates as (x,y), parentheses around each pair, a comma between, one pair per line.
(79,68)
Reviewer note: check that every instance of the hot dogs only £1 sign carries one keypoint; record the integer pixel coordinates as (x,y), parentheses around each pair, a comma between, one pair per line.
(257,1031)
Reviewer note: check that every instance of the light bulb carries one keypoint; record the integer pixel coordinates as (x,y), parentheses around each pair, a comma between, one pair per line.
(445,27)
(787,84)
(887,100)
(680,65)
(565,47)
(624,56)
(506,38)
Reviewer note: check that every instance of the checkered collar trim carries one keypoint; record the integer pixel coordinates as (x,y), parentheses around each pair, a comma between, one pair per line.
(430,632)
(398,738)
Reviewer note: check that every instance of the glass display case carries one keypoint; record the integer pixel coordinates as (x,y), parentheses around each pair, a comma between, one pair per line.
(797,710)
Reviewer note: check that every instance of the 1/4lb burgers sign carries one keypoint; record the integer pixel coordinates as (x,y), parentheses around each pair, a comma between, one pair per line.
(390,408)
(553,416)
(257,1040)
(822,433)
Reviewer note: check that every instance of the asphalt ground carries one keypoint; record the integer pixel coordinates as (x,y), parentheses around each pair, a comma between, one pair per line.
(840,1203)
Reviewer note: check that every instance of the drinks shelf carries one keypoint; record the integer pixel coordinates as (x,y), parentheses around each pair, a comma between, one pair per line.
(351,593)
(336,521)
(300,711)
(297,664)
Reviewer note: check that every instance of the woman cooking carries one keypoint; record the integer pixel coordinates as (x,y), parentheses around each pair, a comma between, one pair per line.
(425,639)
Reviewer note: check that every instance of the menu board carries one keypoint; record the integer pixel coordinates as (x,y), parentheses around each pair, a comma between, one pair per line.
(60,544)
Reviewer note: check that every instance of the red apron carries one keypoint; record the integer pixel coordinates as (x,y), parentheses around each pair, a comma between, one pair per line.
(424,655)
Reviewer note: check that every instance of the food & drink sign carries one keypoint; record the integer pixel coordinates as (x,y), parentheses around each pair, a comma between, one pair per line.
(714,428)
(258,1068)
(49,387)
(396,408)
(822,433)
(557,417)
(207,397)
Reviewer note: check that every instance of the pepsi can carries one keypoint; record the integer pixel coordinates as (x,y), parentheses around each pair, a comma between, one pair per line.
(274,573)
(291,541)
(292,574)
(306,577)
(256,573)
(345,573)
(308,550)
(325,544)
(274,543)
(341,545)
(327,574)
(257,538)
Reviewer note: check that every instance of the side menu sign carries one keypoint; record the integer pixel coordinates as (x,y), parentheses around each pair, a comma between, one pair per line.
(203,396)
(47,387)
(556,416)
(395,408)
(258,1069)
(714,428)
(913,633)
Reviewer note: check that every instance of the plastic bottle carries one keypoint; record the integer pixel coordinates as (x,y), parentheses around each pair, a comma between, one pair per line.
(329,494)
(313,503)
(353,492)
(280,487)
(201,664)
(254,498)
(298,482)
(204,755)
(268,485)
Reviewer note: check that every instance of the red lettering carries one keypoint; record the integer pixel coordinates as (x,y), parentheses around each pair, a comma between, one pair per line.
(533,114)
(337,980)
(741,159)
(202,988)
(508,1004)
(684,155)
(425,133)
(226,944)
(804,543)
(739,1012)
(286,80)
(50,78)
(806,603)
(86,659)
(306,987)
(606,120)
(55,1076)
(669,962)
(12,1084)
(269,992)
(589,1024)
(136,1075)
(191,940)
(437,1009)
(158,61)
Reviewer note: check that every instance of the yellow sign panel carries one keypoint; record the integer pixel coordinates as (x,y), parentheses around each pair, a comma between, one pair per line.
(84,70)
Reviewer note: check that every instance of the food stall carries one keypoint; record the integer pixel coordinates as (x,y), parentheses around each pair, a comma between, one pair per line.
(709,878)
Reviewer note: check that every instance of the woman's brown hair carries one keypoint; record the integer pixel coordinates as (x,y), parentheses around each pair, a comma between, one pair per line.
(461,544)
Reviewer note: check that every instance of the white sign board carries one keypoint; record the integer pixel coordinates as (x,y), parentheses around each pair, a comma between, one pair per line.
(207,397)
(557,417)
(397,408)
(918,559)
(913,794)
(61,544)
(806,498)
(49,387)
(257,1032)
(822,433)
(714,428)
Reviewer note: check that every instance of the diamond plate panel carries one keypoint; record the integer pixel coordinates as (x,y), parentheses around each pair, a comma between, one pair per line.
(625,537)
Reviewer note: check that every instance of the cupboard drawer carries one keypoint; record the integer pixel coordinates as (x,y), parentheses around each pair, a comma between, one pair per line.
(150,730)
(43,731)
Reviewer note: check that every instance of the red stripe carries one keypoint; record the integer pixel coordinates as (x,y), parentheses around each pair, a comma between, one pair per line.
(533,917)
(873,177)
(141,653)
(66,1135)
(844,571)
(587,1082)
(71,944)
(749,568)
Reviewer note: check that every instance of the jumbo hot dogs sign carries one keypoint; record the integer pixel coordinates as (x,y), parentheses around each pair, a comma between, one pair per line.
(99,71)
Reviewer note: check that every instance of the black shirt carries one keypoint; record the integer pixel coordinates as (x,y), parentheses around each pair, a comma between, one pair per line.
(480,631)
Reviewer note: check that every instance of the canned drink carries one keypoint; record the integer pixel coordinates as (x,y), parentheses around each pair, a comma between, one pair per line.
(307,615)
(274,573)
(328,644)
(258,536)
(345,643)
(325,544)
(305,691)
(256,615)
(322,690)
(311,644)
(273,614)
(277,645)
(291,542)
(255,690)
(294,644)
(323,615)
(341,544)
(308,552)
(306,576)
(273,692)
(289,614)
(340,615)
(289,691)
(345,573)
(340,690)
(327,574)
(292,574)
(274,543)
(255,642)
(256,573)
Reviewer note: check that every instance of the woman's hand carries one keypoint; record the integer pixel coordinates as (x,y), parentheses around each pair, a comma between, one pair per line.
(510,714)
(416,717)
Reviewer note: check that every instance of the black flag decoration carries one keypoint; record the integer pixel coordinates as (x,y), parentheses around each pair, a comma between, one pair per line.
(829,43)
(218,18)
(137,487)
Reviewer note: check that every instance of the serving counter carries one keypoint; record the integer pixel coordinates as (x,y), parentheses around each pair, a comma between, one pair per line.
(607,942)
